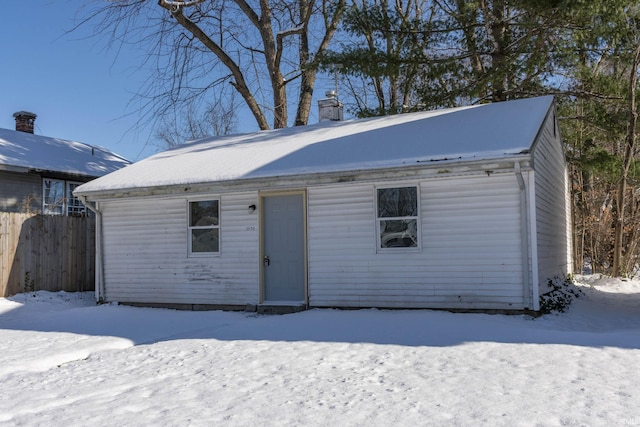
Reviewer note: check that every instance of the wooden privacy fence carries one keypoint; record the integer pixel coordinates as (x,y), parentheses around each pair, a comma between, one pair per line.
(46,252)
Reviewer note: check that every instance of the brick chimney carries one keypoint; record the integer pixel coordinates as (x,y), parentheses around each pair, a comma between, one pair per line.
(24,121)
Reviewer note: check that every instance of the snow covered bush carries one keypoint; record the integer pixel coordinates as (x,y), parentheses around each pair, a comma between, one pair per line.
(561,295)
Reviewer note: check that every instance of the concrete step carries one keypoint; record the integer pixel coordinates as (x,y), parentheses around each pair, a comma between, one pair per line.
(280,308)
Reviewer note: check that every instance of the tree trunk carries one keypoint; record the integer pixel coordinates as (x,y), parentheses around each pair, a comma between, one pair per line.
(309,71)
(495,16)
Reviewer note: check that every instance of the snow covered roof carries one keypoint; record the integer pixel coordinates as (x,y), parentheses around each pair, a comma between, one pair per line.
(457,134)
(23,152)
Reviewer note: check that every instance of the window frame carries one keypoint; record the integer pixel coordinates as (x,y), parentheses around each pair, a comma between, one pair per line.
(200,254)
(379,219)
(70,201)
(62,204)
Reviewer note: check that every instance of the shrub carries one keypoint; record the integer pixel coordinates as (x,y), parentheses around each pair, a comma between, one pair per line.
(560,297)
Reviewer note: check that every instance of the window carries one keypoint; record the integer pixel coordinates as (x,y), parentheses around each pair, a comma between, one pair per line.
(397,217)
(74,205)
(58,198)
(204,227)
(52,197)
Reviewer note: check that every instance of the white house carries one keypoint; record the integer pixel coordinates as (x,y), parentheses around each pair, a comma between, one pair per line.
(463,208)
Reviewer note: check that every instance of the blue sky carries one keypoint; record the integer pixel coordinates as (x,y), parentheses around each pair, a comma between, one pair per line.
(77,88)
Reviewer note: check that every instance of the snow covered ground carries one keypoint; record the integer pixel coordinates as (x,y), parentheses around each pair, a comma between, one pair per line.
(66,362)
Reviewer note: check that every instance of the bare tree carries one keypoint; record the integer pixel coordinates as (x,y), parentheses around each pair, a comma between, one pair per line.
(219,118)
(266,50)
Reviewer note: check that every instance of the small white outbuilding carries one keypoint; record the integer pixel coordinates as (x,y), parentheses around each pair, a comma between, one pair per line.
(462,208)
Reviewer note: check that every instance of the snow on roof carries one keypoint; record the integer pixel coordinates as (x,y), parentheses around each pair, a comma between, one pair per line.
(457,134)
(22,150)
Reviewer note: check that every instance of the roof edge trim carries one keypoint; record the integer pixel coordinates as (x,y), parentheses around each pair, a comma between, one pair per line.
(422,170)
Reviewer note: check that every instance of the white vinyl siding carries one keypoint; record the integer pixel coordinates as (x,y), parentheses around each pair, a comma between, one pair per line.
(146,253)
(552,207)
(470,254)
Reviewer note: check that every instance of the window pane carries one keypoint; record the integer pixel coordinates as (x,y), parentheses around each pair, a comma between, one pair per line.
(53,199)
(397,202)
(203,213)
(399,233)
(74,205)
(206,240)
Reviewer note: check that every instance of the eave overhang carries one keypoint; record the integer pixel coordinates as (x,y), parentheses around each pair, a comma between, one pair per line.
(435,169)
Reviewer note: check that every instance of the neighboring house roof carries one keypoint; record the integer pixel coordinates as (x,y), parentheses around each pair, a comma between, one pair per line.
(24,152)
(458,134)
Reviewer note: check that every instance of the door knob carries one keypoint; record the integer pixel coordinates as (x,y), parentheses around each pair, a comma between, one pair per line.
(267,261)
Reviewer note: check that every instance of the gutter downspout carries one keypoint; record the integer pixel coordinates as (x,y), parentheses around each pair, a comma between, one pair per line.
(533,241)
(524,237)
(99,265)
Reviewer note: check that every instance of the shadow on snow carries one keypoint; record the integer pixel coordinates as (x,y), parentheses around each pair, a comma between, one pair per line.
(598,319)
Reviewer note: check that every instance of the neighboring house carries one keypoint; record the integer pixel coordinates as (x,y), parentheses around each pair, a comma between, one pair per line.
(463,208)
(38,174)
